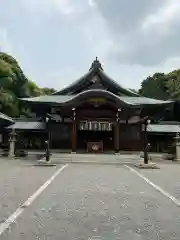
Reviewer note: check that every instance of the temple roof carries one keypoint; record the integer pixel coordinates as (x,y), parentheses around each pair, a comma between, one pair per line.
(64,99)
(96,64)
(95,83)
(6,118)
(95,74)
(27,125)
(163,128)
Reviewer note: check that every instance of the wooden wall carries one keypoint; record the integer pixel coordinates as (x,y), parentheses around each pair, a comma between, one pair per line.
(130,137)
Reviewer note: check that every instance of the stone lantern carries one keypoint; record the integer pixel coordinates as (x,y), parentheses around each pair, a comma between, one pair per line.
(177,144)
(12,141)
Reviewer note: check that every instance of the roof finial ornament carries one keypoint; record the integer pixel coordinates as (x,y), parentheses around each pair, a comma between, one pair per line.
(96,64)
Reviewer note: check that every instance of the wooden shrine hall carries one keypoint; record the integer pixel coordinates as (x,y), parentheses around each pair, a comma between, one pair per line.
(93,114)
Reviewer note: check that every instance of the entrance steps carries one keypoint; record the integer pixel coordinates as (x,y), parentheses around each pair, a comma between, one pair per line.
(110,158)
(94,158)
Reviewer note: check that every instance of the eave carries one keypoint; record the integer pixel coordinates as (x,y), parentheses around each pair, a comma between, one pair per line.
(70,99)
(28,125)
(163,128)
(6,118)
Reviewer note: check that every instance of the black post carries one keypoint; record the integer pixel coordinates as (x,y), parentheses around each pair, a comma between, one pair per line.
(116,129)
(146,160)
(48,141)
(48,150)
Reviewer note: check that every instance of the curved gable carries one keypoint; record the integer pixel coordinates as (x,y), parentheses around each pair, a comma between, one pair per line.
(96,78)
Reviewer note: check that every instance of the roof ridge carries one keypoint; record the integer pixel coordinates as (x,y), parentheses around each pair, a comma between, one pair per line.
(96,68)
(73,83)
(117,84)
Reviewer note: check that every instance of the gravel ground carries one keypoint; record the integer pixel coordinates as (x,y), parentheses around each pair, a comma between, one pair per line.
(167,177)
(97,202)
(18,181)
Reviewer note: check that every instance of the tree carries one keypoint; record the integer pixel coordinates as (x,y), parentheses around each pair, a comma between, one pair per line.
(14,85)
(162,86)
(174,84)
(8,103)
(48,91)
(155,86)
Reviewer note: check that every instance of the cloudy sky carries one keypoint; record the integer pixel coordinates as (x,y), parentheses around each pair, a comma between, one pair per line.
(55,41)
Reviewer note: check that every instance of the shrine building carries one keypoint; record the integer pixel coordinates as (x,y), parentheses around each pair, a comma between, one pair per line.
(92,114)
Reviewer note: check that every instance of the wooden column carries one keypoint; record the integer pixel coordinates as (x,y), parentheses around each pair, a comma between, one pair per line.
(116,137)
(74,131)
(141,129)
(116,131)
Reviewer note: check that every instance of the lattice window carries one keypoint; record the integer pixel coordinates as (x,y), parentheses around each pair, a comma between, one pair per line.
(95,126)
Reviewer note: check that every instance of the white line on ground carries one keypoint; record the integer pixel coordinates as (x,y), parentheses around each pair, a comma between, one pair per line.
(11,219)
(159,189)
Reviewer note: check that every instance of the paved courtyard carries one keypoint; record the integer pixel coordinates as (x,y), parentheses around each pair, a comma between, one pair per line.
(88,201)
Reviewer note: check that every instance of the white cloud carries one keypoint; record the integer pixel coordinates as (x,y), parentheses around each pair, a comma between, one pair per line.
(134,38)
(5,43)
(97,36)
(143,32)
(91,3)
(163,18)
(67,8)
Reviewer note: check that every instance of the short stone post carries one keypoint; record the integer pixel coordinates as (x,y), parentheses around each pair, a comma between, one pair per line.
(12,141)
(177,139)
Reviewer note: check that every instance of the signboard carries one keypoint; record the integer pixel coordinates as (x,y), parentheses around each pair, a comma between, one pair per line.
(95,146)
(95,126)
(97,100)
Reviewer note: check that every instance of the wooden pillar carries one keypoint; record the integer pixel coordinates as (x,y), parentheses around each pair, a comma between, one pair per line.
(117,131)
(116,137)
(143,134)
(74,131)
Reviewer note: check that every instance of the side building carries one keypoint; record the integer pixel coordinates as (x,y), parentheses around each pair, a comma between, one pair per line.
(5,121)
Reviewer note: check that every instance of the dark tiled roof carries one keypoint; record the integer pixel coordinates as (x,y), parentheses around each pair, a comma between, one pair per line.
(60,99)
(118,86)
(96,70)
(5,117)
(76,83)
(27,125)
(163,128)
(142,100)
(49,99)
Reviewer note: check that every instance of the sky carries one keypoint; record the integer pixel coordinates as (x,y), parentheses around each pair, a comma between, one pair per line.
(55,41)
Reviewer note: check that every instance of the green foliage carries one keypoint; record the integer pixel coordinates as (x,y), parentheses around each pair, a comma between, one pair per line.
(48,91)
(174,84)
(33,89)
(162,86)
(8,103)
(155,86)
(14,85)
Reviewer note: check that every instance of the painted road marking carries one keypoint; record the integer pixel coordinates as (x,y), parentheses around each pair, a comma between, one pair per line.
(11,219)
(159,189)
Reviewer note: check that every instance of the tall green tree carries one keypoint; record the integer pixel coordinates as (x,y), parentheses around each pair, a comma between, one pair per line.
(48,91)
(162,86)
(174,84)
(14,85)
(155,86)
